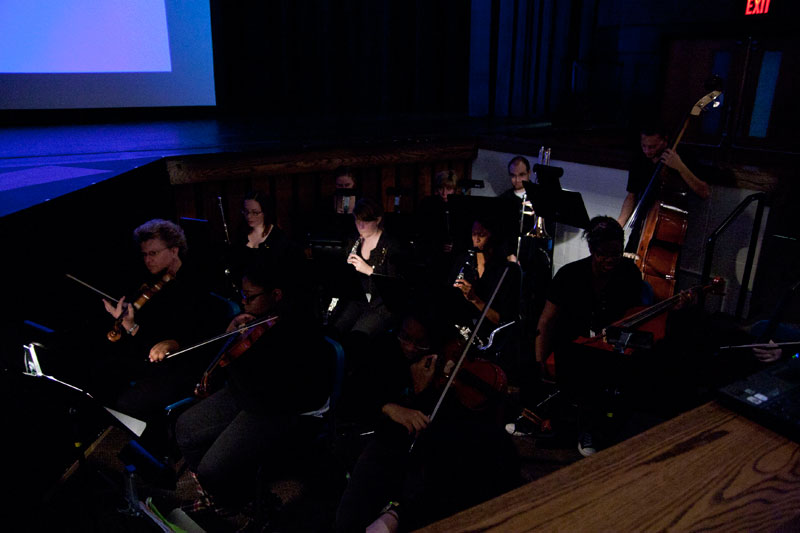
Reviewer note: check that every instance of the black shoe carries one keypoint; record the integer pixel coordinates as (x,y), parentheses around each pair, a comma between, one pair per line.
(586,445)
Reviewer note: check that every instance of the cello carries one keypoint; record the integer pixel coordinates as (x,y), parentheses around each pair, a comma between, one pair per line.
(640,327)
(664,227)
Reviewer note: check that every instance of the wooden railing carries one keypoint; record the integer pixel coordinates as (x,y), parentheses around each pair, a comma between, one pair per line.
(300,183)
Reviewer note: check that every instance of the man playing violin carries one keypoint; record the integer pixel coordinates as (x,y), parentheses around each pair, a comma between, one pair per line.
(276,381)
(169,310)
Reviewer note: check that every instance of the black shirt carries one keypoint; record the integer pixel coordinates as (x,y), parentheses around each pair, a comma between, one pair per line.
(582,311)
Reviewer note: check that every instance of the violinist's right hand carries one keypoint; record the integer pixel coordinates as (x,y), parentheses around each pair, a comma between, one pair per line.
(123,310)
(239,321)
(413,420)
(115,311)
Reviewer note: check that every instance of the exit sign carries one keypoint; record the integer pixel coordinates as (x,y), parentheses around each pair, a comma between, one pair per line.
(756,7)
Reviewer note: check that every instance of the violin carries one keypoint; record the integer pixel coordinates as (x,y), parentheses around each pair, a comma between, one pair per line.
(479,381)
(249,335)
(620,336)
(146,292)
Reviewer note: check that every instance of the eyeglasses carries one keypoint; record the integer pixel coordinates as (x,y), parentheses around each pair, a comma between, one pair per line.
(152,253)
(247,298)
(253,212)
(404,337)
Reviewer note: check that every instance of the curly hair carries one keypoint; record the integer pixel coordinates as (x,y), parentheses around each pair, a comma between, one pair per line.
(169,232)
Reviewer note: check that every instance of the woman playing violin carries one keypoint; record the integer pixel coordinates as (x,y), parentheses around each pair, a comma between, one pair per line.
(460,458)
(255,418)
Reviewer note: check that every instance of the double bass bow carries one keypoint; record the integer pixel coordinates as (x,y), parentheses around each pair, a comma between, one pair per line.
(663,226)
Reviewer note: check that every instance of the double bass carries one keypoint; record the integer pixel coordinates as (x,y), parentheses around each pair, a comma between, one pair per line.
(664,227)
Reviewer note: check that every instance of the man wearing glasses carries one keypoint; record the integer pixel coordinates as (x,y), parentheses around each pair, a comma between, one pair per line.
(168,312)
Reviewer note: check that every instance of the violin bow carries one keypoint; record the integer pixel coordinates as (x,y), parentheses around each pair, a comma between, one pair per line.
(464,352)
(245,327)
(98,291)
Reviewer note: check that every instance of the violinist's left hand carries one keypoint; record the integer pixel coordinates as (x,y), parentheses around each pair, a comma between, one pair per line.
(422,372)
(162,349)
(359,264)
(239,321)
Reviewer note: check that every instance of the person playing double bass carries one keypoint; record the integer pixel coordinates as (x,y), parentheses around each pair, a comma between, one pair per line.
(276,378)
(677,180)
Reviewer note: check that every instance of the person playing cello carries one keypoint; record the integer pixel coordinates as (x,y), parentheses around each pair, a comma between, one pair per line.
(588,294)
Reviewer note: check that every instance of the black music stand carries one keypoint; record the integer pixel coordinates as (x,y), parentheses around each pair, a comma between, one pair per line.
(555,204)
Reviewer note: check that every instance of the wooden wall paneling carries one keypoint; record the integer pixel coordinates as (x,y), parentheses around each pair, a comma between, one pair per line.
(305,199)
(371,184)
(325,187)
(387,182)
(221,167)
(405,180)
(424,183)
(184,201)
(233,200)
(282,200)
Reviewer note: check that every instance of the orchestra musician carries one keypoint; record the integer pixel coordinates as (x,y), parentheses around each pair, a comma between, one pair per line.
(372,254)
(676,181)
(477,281)
(587,295)
(276,375)
(172,312)
(344,180)
(435,227)
(459,459)
(261,240)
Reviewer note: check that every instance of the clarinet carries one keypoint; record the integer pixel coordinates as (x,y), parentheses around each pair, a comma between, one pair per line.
(356,246)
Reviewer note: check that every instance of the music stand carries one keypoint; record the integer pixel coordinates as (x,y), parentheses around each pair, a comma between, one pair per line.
(552,202)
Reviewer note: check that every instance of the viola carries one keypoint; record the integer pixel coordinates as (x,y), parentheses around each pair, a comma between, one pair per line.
(146,292)
(651,320)
(232,351)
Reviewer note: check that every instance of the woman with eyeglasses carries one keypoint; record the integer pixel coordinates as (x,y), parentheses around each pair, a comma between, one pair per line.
(261,240)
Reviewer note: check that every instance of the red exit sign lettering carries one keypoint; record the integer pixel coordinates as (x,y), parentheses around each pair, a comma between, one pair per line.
(756,7)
